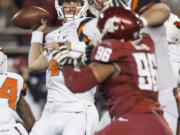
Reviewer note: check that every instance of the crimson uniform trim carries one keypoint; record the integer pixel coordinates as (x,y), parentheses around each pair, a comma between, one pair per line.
(177,97)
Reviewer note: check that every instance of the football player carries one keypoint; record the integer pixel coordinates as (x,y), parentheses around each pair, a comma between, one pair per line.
(168,93)
(173,30)
(125,70)
(152,13)
(12,89)
(65,113)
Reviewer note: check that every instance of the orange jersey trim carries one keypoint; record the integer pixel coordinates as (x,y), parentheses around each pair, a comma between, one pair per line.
(80,29)
(24,86)
(81,35)
(177,23)
(145,7)
(134,4)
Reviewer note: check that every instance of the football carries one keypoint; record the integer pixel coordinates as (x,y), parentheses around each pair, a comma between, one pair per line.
(30,17)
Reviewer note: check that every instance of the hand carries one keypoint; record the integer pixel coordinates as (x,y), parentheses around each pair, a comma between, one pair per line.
(62,56)
(86,57)
(43,26)
(55,45)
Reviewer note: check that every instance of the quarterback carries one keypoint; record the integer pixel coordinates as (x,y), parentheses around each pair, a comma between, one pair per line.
(65,113)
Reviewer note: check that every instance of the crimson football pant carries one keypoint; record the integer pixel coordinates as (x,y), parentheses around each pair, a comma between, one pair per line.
(137,124)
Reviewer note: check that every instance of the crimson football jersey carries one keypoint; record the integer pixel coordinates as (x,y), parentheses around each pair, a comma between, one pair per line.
(134,89)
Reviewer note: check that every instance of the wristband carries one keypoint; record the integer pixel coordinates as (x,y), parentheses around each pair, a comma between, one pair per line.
(78,46)
(144,21)
(37,37)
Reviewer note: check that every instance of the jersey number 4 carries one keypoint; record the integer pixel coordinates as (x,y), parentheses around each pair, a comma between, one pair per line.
(9,90)
(147,72)
(53,68)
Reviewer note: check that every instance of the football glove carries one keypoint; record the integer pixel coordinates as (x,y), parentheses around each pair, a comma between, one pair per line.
(62,56)
(86,57)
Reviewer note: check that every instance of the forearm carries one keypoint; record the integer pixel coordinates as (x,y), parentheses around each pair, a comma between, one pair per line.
(157,14)
(37,62)
(87,77)
(25,113)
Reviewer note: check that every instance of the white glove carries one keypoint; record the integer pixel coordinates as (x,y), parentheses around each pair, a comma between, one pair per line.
(62,56)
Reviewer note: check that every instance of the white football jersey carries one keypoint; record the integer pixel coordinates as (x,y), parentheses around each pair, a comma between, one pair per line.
(173,36)
(166,78)
(11,86)
(57,90)
(173,32)
(92,32)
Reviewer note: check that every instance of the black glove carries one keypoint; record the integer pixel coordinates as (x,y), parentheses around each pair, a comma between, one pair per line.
(86,57)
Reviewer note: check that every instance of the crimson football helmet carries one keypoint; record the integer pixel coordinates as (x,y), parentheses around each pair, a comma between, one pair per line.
(98,6)
(119,23)
(3,61)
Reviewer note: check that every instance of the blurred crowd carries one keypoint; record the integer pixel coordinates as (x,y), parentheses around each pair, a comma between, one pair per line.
(18,61)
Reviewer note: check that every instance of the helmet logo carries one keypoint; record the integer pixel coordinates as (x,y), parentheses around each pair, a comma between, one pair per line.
(110,26)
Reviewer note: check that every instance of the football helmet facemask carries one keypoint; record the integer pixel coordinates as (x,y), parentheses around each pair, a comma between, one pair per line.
(67,17)
(3,61)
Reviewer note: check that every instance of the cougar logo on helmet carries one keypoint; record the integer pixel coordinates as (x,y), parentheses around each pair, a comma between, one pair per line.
(119,23)
(110,25)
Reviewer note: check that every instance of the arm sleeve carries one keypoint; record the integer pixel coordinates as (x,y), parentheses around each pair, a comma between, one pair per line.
(81,81)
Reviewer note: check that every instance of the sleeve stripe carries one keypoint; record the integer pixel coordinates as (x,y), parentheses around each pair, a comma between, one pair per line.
(177,23)
(24,87)
(134,5)
(145,7)
(81,35)
(80,29)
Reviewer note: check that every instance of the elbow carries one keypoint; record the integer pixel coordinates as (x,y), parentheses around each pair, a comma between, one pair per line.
(165,10)
(32,68)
